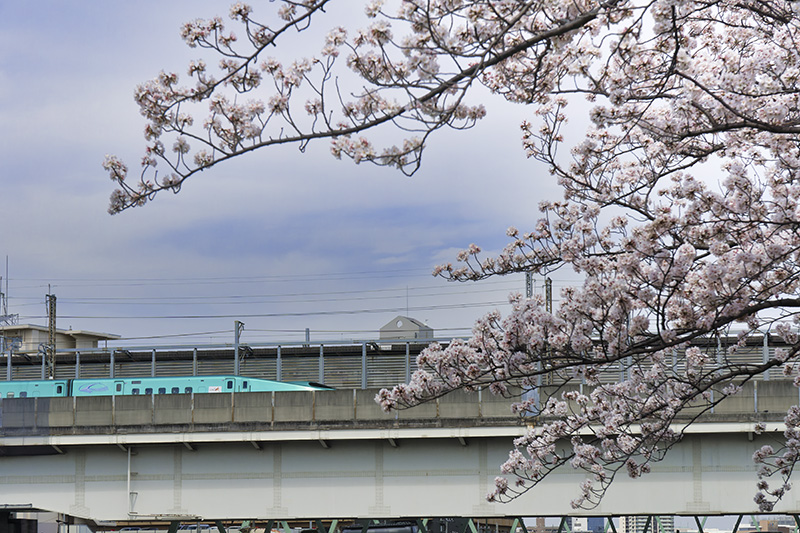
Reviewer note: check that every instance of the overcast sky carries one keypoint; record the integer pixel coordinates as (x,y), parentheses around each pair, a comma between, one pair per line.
(280,240)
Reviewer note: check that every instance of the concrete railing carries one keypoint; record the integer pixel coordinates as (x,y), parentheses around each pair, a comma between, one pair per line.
(253,410)
(354,408)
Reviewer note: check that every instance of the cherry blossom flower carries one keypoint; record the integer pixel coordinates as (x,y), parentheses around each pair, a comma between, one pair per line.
(680,207)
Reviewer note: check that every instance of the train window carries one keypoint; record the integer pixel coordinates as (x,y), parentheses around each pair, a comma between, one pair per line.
(162,390)
(119,387)
(10,395)
(187,390)
(176,390)
(59,389)
(136,382)
(148,390)
(135,391)
(229,384)
(23,394)
(244,385)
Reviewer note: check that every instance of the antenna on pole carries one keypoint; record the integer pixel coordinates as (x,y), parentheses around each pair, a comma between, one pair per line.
(6,320)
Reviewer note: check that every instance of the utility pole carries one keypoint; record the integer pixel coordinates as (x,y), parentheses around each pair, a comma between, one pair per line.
(238,327)
(548,302)
(51,336)
(548,295)
(528,285)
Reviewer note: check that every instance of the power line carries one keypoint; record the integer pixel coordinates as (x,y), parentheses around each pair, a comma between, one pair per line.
(213,280)
(281,315)
(459,288)
(250,300)
(271,332)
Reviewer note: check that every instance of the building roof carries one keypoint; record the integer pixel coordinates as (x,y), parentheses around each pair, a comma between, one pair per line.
(68,332)
(404,323)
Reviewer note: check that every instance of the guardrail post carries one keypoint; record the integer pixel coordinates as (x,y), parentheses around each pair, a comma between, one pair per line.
(363,365)
(321,364)
(408,362)
(755,396)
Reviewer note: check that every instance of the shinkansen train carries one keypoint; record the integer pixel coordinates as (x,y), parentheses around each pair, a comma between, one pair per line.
(54,388)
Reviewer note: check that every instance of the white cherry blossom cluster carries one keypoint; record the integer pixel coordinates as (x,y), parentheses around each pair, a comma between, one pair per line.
(681,204)
(670,256)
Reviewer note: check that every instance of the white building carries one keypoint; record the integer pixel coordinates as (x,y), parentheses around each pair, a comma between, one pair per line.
(26,338)
(403,327)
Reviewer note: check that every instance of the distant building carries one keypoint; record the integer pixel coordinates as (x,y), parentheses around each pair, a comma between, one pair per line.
(26,338)
(595,524)
(637,524)
(579,524)
(403,327)
(589,524)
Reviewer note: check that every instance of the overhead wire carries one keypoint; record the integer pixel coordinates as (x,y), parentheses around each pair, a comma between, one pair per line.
(459,288)
(211,280)
(281,315)
(418,292)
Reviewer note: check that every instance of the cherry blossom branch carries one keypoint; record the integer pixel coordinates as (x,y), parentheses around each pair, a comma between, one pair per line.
(163,98)
(680,211)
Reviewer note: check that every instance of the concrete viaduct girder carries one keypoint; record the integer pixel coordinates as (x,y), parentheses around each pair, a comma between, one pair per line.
(327,460)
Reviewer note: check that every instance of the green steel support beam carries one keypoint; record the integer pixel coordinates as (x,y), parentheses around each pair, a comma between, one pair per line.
(518,522)
(423,524)
(220,526)
(736,526)
(699,524)
(173,526)
(365,524)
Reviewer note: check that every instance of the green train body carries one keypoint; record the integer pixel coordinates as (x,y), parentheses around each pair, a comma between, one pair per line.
(149,385)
